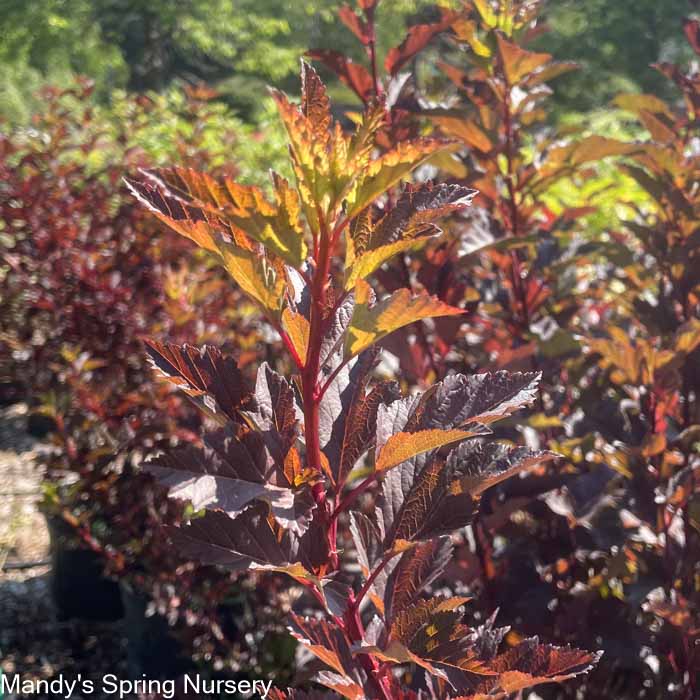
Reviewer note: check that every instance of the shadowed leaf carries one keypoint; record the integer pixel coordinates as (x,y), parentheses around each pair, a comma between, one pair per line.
(276,412)
(418,37)
(253,540)
(202,373)
(354,75)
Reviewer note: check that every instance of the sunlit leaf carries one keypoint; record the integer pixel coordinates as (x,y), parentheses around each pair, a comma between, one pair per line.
(255,275)
(371,322)
(390,168)
(297,328)
(518,62)
(405,226)
(402,446)
(227,474)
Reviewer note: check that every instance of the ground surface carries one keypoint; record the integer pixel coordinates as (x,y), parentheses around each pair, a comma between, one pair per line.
(33,642)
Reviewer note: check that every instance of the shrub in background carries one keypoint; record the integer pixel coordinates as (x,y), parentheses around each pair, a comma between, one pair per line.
(85,277)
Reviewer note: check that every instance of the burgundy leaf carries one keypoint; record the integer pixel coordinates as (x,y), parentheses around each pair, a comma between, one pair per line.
(354,23)
(416,209)
(416,569)
(416,40)
(276,412)
(349,414)
(431,495)
(201,372)
(354,75)
(228,473)
(328,642)
(252,540)
(367,539)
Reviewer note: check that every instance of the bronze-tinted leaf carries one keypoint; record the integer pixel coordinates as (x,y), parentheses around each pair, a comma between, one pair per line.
(402,446)
(518,62)
(371,322)
(189,221)
(452,410)
(428,495)
(416,569)
(202,372)
(297,328)
(406,225)
(228,473)
(276,412)
(390,168)
(525,665)
(418,37)
(328,642)
(242,207)
(315,104)
(354,75)
(479,464)
(354,23)
(431,631)
(348,418)
(261,280)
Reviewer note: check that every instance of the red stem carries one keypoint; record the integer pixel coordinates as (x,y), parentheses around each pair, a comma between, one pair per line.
(310,391)
(290,347)
(352,495)
(372,577)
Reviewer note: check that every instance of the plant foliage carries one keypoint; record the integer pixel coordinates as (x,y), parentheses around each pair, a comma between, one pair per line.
(290,457)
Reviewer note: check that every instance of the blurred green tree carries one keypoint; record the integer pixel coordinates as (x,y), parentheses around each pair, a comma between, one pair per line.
(615,42)
(242,45)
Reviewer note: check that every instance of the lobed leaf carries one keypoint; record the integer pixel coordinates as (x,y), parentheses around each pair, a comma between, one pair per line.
(253,540)
(254,274)
(232,470)
(455,409)
(239,208)
(404,227)
(525,665)
(349,414)
(429,495)
(203,373)
(354,75)
(327,641)
(517,62)
(371,322)
(275,414)
(402,446)
(387,170)
(417,38)
(416,569)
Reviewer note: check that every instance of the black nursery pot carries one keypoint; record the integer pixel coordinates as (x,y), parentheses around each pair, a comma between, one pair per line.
(78,585)
(152,650)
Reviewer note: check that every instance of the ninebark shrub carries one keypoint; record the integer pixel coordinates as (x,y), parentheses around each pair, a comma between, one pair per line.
(288,460)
